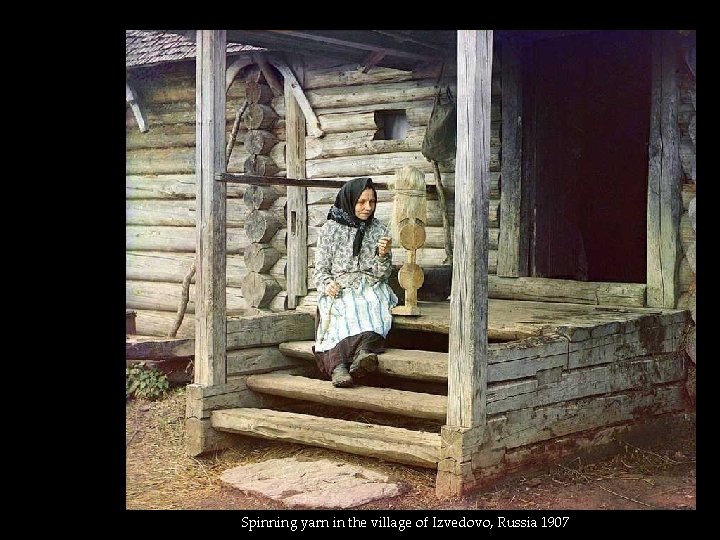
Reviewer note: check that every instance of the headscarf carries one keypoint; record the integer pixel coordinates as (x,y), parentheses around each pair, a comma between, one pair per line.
(343,211)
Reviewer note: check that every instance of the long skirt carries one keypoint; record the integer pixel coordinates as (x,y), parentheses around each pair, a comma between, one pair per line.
(355,320)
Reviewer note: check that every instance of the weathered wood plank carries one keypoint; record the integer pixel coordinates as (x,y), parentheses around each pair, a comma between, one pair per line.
(369,398)
(147,347)
(175,160)
(563,290)
(259,360)
(210,296)
(159,323)
(202,400)
(467,364)
(183,213)
(370,165)
(182,239)
(643,373)
(529,426)
(507,363)
(269,329)
(174,187)
(173,267)
(664,175)
(162,296)
(384,442)
(295,155)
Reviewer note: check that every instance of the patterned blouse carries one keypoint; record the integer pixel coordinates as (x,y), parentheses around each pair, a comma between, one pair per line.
(334,260)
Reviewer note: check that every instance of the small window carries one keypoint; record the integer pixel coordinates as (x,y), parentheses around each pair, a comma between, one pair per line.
(392,125)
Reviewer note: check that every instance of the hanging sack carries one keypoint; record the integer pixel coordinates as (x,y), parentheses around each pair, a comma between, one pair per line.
(440,135)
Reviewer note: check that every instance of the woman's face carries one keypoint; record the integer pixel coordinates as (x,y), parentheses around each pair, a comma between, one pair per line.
(365,205)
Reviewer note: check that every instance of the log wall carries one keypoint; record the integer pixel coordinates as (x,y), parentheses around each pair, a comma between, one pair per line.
(160,173)
(161,191)
(345,101)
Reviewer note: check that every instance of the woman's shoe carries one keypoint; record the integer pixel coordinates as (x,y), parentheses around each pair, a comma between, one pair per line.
(340,377)
(365,362)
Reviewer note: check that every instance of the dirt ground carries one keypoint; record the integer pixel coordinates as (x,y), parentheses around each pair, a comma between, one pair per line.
(159,475)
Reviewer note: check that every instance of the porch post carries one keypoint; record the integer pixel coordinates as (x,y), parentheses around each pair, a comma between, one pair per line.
(210,309)
(664,175)
(467,362)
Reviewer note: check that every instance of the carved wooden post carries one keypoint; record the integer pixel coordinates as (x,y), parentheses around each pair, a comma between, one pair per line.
(409,218)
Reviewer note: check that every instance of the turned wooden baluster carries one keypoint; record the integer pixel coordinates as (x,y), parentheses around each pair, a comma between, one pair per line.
(409,218)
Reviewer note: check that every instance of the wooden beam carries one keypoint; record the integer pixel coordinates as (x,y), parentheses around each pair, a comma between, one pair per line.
(292,86)
(514,224)
(210,302)
(132,100)
(297,216)
(363,41)
(664,175)
(467,369)
(233,69)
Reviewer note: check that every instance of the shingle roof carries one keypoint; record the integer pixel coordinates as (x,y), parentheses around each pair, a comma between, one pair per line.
(146,47)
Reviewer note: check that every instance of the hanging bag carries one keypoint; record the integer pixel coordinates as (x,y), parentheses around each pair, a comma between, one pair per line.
(440,135)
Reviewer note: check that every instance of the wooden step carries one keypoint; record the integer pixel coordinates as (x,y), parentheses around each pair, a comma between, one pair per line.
(369,398)
(408,364)
(389,443)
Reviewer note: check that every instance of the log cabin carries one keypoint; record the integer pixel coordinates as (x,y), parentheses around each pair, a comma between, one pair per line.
(558,313)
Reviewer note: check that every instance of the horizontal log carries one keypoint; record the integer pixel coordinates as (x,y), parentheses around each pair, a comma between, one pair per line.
(159,323)
(176,186)
(182,112)
(162,296)
(180,86)
(259,360)
(384,442)
(161,136)
(318,195)
(370,165)
(383,400)
(173,161)
(353,96)
(269,329)
(173,267)
(356,143)
(182,239)
(532,425)
(340,123)
(317,215)
(349,75)
(432,366)
(562,290)
(616,347)
(148,348)
(183,214)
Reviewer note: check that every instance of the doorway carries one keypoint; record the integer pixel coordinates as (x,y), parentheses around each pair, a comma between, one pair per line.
(588,99)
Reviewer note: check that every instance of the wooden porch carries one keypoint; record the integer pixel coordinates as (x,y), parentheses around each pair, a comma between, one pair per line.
(561,378)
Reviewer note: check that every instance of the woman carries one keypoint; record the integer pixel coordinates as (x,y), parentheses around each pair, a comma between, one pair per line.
(352,267)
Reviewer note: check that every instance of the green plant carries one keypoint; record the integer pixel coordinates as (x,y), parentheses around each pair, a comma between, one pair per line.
(145,382)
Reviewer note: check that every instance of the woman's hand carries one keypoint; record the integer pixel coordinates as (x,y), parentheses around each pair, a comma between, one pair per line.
(384,245)
(332,288)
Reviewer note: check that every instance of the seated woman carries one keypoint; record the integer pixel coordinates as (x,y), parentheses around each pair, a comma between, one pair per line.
(352,267)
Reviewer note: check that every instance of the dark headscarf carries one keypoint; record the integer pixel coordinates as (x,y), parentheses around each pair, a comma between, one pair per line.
(343,211)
